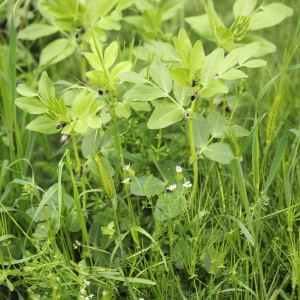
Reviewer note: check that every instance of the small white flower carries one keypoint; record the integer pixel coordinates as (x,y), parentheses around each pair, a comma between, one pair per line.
(187,184)
(127,167)
(125,181)
(172,187)
(92,296)
(178,169)
(86,282)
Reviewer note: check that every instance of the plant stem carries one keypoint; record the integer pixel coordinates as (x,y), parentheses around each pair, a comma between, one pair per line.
(193,152)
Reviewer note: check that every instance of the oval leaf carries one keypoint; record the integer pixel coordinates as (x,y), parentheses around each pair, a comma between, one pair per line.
(247,52)
(219,152)
(56,51)
(169,206)
(271,15)
(144,93)
(36,31)
(147,186)
(201,131)
(213,87)
(160,74)
(31,105)
(233,74)
(243,7)
(73,222)
(43,125)
(211,64)
(181,76)
(164,115)
(255,63)
(132,77)
(217,123)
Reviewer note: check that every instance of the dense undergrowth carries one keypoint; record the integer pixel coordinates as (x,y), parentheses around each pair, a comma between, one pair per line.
(149,149)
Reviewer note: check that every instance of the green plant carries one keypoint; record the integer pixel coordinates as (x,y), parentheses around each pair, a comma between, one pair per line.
(142,181)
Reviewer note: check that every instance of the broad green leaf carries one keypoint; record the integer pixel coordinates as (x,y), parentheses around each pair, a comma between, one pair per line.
(72,221)
(217,122)
(164,115)
(123,110)
(169,206)
(233,75)
(120,67)
(31,105)
(183,54)
(94,122)
(85,104)
(142,5)
(213,87)
(132,77)
(93,60)
(90,144)
(236,130)
(243,7)
(158,50)
(80,125)
(105,7)
(211,65)
(57,51)
(35,31)
(201,131)
(65,23)
(160,74)
(247,52)
(68,128)
(110,54)
(255,63)
(121,5)
(182,94)
(181,76)
(265,46)
(26,91)
(170,9)
(96,78)
(147,186)
(271,15)
(184,41)
(219,152)
(46,87)
(201,25)
(140,106)
(144,93)
(229,61)
(96,106)
(108,23)
(75,111)
(197,57)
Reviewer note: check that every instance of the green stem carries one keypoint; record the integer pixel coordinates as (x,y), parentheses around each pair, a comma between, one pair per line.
(81,217)
(193,152)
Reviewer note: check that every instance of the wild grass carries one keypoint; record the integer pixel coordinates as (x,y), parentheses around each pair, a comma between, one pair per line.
(69,228)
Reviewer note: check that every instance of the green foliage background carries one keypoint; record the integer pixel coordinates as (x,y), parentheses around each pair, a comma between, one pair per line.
(137,162)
